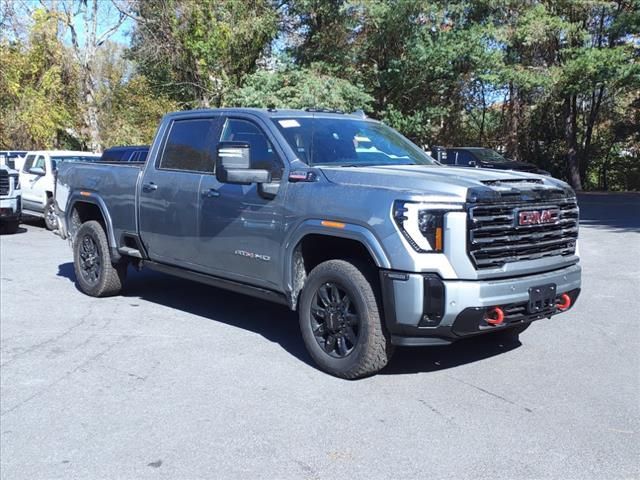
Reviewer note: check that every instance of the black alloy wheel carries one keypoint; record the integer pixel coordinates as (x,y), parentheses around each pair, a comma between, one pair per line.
(334,320)
(90,259)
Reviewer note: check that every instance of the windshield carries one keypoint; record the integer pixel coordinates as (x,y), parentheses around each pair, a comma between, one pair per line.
(349,142)
(77,158)
(488,155)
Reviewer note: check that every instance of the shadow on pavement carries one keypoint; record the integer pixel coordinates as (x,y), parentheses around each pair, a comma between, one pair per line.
(613,211)
(278,324)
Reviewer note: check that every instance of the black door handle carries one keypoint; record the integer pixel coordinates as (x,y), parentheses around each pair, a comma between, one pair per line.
(210,193)
(149,187)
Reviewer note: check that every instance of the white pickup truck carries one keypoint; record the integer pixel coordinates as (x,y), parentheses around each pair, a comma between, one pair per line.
(37,177)
(10,200)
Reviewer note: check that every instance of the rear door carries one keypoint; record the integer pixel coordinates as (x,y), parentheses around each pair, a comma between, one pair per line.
(241,226)
(170,193)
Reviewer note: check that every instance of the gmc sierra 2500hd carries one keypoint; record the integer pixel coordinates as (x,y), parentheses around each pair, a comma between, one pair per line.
(337,216)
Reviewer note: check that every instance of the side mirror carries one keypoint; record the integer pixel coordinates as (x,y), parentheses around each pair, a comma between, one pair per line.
(37,171)
(472,163)
(233,165)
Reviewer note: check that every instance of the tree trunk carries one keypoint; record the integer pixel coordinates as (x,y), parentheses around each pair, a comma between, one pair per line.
(513,119)
(570,135)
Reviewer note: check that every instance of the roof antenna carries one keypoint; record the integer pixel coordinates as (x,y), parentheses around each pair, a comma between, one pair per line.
(360,113)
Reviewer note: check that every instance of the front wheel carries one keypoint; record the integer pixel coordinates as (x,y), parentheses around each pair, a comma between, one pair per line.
(341,322)
(95,274)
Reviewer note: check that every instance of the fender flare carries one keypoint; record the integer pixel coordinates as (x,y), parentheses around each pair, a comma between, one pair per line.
(349,231)
(77,197)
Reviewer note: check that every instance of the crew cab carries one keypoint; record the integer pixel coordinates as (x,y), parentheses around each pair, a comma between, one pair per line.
(337,216)
(38,180)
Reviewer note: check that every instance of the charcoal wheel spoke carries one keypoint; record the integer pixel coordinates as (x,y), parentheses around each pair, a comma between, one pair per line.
(334,320)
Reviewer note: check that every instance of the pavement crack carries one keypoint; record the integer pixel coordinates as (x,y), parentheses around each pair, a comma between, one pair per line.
(82,365)
(488,392)
(49,341)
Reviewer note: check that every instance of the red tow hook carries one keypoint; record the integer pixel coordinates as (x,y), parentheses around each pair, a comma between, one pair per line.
(495,316)
(564,303)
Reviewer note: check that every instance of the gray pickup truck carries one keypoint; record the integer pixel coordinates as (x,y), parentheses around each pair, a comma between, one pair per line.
(337,216)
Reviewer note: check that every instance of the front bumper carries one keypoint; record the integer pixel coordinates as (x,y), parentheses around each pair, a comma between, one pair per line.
(11,208)
(422,309)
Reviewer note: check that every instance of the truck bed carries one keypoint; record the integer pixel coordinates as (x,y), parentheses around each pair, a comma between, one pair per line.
(111,185)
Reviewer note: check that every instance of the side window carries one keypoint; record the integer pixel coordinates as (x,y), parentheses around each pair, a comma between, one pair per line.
(464,158)
(28,163)
(190,146)
(39,163)
(262,152)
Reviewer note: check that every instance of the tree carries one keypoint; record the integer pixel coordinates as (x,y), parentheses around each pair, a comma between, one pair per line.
(38,95)
(299,88)
(197,52)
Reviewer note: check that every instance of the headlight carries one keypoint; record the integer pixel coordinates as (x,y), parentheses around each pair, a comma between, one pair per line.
(422,224)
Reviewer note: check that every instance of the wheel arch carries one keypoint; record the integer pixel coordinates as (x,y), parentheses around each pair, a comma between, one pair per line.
(91,207)
(313,243)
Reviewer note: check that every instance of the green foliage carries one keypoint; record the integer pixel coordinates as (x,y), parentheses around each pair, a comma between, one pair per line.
(197,52)
(299,88)
(37,88)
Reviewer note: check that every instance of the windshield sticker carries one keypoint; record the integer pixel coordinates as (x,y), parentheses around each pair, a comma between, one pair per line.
(288,123)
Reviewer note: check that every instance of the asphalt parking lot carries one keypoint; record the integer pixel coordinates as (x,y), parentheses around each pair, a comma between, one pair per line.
(179,380)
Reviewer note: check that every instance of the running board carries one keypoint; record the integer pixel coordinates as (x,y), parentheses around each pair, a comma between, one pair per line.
(130,252)
(218,282)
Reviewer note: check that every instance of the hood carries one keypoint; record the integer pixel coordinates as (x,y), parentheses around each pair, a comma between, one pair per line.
(457,184)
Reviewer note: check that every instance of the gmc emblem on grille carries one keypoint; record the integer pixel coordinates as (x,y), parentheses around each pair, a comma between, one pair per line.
(537,217)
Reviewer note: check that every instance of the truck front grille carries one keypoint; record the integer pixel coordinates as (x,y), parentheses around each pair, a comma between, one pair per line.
(495,238)
(4,182)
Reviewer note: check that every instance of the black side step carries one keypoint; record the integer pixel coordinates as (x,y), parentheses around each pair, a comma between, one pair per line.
(218,282)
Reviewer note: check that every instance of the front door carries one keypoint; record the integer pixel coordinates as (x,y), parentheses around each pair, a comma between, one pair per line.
(170,191)
(33,185)
(240,225)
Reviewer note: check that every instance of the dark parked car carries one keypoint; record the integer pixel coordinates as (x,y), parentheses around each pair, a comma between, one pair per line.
(485,158)
(135,153)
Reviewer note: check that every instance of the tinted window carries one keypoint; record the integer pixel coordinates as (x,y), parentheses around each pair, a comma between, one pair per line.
(190,146)
(262,154)
(464,158)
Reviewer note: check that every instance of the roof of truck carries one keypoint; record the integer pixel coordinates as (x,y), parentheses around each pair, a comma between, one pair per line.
(275,113)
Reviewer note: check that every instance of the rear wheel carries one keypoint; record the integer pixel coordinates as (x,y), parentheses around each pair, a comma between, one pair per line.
(95,274)
(50,216)
(340,320)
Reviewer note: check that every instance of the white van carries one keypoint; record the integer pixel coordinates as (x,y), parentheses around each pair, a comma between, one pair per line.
(37,178)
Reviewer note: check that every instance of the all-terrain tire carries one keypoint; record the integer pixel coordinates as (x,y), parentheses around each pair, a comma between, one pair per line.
(95,274)
(372,350)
